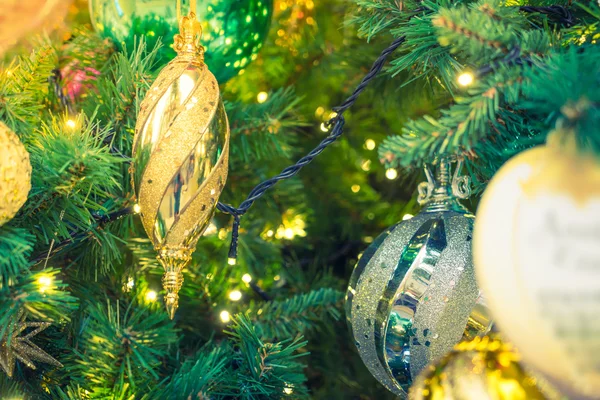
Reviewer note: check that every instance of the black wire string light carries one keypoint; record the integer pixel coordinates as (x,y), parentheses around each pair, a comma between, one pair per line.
(336,124)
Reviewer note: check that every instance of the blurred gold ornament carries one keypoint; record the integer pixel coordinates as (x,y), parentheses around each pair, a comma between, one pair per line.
(16,345)
(18,17)
(15,174)
(536,248)
(180,151)
(484,368)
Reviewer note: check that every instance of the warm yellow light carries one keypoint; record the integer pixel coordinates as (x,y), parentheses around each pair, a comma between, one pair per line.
(466,79)
(151,296)
(137,209)
(262,97)
(407,216)
(324,127)
(355,188)
(288,233)
(370,144)
(45,282)
(366,165)
(231,261)
(270,233)
(276,278)
(71,124)
(391,173)
(319,111)
(225,316)
(130,283)
(235,295)
(222,234)
(368,239)
(288,390)
(247,278)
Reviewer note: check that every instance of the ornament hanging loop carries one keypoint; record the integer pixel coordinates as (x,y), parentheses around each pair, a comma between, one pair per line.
(442,190)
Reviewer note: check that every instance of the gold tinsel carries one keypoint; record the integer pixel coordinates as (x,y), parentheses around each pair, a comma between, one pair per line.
(15,174)
(181,151)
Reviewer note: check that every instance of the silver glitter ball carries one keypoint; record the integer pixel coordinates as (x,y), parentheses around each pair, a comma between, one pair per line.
(413,294)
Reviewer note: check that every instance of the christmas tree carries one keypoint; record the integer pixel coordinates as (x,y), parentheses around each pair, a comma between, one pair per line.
(391,86)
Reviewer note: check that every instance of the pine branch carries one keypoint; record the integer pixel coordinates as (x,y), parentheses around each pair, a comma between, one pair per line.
(40,293)
(263,130)
(297,314)
(121,349)
(266,370)
(24,88)
(16,244)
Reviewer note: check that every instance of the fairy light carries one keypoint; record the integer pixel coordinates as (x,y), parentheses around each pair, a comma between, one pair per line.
(466,79)
(262,97)
(45,282)
(391,173)
(70,123)
(276,278)
(151,296)
(235,295)
(407,217)
(137,209)
(270,233)
(225,316)
(365,165)
(355,188)
(288,233)
(288,390)
(370,144)
(324,127)
(130,283)
(247,278)
(231,261)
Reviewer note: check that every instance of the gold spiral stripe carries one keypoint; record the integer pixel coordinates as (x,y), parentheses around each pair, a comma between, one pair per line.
(176,143)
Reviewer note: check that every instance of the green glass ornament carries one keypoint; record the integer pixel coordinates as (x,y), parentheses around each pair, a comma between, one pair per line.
(233,30)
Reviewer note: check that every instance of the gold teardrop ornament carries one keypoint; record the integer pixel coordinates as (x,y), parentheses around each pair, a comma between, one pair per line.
(180,156)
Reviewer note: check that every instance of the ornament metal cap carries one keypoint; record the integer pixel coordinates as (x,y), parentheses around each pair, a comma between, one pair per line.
(442,191)
(173,261)
(187,42)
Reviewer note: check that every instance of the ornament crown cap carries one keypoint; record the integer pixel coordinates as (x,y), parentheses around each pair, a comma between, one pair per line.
(442,191)
(187,41)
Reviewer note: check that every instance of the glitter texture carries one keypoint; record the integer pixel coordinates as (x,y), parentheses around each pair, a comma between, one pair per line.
(15,347)
(483,368)
(412,295)
(15,174)
(181,151)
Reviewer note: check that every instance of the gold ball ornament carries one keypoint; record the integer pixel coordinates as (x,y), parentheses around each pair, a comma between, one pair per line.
(484,368)
(15,174)
(19,17)
(536,249)
(180,156)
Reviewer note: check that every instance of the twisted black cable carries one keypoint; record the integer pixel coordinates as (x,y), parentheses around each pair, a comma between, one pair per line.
(337,128)
(559,13)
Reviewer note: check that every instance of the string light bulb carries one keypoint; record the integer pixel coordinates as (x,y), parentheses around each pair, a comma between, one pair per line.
(247,278)
(45,283)
(235,295)
(407,217)
(137,209)
(466,79)
(262,97)
(151,296)
(225,316)
(391,173)
(71,124)
(231,261)
(370,144)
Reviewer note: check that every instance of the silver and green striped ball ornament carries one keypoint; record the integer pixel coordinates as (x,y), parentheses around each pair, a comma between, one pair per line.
(413,295)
